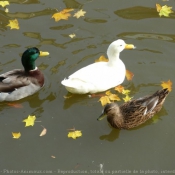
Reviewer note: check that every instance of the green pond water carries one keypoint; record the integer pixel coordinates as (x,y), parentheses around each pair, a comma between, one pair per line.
(101,149)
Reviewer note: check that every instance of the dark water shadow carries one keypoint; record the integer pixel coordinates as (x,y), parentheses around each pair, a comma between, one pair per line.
(139,12)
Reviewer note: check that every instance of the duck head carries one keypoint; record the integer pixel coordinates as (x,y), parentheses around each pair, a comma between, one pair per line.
(29,57)
(110,110)
(118,46)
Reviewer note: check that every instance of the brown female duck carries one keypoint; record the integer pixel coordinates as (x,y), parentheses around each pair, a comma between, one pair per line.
(135,112)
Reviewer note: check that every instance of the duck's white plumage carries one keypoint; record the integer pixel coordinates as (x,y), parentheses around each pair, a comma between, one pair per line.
(100,76)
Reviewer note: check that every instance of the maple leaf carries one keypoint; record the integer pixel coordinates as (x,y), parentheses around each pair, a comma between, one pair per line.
(102,59)
(72,35)
(164,10)
(75,134)
(127,98)
(30,120)
(126,92)
(119,88)
(64,14)
(13,24)
(16,135)
(108,92)
(43,132)
(167,84)
(42,54)
(114,97)
(79,13)
(4,3)
(129,75)
(104,100)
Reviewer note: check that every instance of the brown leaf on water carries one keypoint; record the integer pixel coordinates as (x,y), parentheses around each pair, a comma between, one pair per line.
(129,75)
(167,84)
(43,132)
(119,88)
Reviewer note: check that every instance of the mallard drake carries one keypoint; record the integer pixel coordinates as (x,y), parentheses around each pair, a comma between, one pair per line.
(17,84)
(100,76)
(135,112)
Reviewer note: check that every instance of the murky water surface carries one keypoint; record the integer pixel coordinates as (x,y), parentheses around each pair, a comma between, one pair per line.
(146,149)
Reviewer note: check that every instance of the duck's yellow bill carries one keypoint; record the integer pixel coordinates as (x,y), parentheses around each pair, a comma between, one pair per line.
(102,116)
(42,54)
(129,46)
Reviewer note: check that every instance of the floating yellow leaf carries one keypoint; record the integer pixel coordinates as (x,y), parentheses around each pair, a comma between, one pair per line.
(42,54)
(126,92)
(114,97)
(104,100)
(129,75)
(72,35)
(108,93)
(119,88)
(167,84)
(102,59)
(64,14)
(127,98)
(164,10)
(13,24)
(30,120)
(4,3)
(75,134)
(43,132)
(53,157)
(79,13)
(16,135)
(6,10)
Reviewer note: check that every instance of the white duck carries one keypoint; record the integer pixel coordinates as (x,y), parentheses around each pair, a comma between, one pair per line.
(100,76)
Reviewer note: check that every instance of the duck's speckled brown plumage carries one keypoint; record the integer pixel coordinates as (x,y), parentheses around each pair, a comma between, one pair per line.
(135,112)
(17,84)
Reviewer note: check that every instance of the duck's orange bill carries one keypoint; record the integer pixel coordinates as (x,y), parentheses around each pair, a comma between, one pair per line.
(42,54)
(129,46)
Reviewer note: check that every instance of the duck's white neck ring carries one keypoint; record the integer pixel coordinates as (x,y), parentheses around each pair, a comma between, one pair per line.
(36,68)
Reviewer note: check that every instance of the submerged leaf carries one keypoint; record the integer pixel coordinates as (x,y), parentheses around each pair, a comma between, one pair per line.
(13,24)
(64,14)
(167,84)
(119,88)
(30,120)
(102,59)
(74,134)
(129,75)
(16,135)
(127,98)
(79,13)
(126,92)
